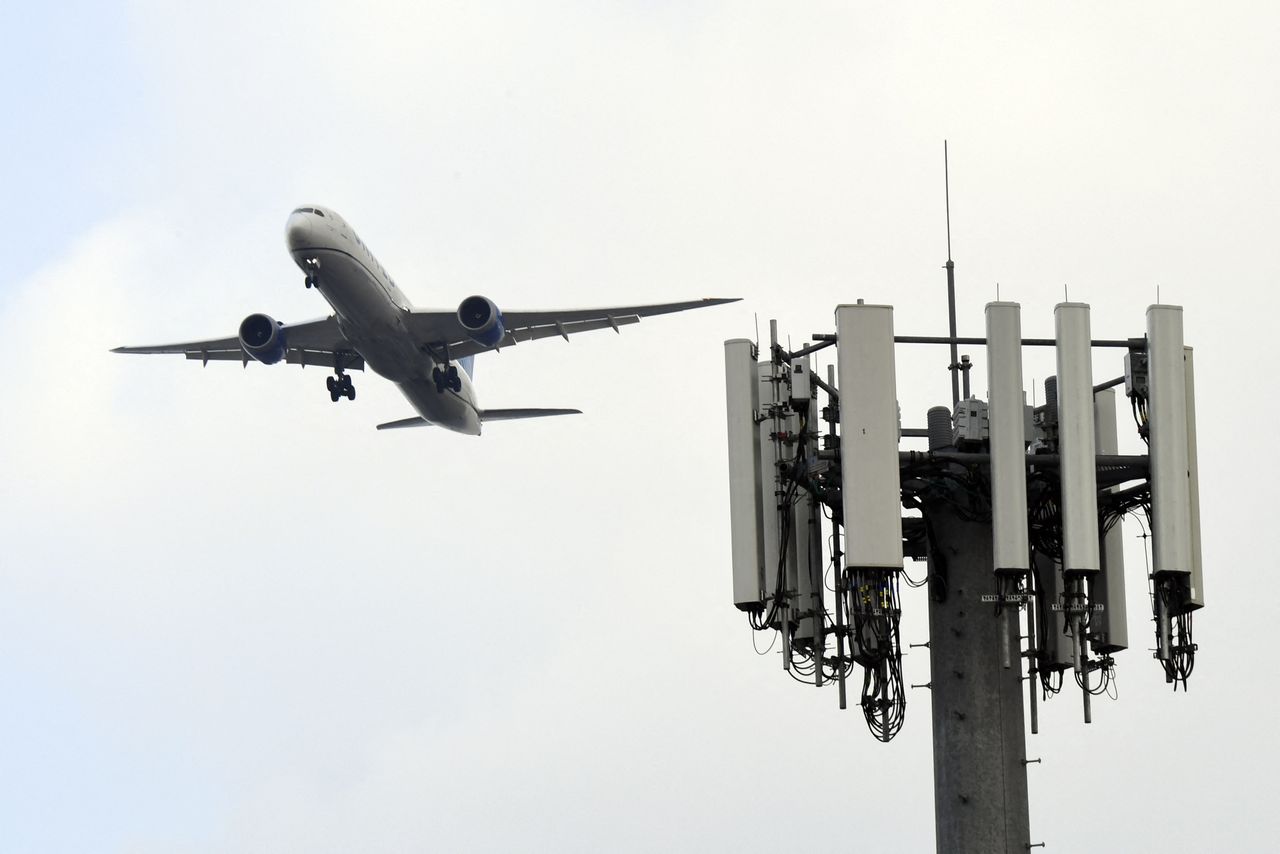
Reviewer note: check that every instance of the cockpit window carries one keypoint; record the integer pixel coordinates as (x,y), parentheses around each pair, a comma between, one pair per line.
(315,211)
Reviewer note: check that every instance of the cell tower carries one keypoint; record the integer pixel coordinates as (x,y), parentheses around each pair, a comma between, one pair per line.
(1016,509)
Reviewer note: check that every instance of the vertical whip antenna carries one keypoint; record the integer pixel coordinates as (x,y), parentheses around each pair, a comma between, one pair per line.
(951,283)
(946,188)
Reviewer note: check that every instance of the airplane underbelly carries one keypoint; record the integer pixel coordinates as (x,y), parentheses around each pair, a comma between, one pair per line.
(386,356)
(367,316)
(447,409)
(350,288)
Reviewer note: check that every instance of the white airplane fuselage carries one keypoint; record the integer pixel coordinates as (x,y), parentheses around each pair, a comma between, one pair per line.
(370,310)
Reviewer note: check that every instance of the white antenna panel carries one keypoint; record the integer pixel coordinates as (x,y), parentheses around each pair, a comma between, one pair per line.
(769,529)
(1059,648)
(871,490)
(1006,415)
(803,601)
(1080,552)
(1195,598)
(1108,625)
(1167,424)
(742,401)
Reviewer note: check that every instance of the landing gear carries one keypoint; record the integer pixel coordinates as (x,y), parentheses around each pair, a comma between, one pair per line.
(447,379)
(340,386)
(313,267)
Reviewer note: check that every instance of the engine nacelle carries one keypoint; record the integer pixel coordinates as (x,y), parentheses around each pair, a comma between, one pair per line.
(262,337)
(482,320)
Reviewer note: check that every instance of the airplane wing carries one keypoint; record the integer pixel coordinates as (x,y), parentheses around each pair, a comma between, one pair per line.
(313,342)
(436,328)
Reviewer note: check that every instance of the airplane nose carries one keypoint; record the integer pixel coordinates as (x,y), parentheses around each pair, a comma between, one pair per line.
(297,232)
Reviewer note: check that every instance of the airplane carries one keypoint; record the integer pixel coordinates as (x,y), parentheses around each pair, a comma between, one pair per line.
(374,325)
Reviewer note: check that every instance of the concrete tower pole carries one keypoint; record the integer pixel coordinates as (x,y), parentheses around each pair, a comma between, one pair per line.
(979,745)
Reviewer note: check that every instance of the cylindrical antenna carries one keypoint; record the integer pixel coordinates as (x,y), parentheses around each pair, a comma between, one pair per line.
(946,188)
(939,419)
(836,557)
(951,283)
(1033,662)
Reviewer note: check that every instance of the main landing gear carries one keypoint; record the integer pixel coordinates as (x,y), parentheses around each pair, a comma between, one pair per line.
(341,386)
(313,267)
(447,379)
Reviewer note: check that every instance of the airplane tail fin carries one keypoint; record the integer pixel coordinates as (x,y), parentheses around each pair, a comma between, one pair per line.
(515,414)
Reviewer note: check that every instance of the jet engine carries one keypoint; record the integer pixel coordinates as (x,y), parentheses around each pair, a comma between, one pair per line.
(482,320)
(262,337)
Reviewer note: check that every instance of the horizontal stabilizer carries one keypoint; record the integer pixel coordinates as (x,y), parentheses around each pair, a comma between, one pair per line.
(485,415)
(514,414)
(416,421)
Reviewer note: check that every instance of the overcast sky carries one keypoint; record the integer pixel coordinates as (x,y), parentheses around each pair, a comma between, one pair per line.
(233,617)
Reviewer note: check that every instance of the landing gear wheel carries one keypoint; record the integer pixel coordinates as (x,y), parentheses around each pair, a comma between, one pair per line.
(446,379)
(339,387)
(310,266)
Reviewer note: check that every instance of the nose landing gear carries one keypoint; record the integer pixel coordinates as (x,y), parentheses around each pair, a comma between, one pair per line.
(313,267)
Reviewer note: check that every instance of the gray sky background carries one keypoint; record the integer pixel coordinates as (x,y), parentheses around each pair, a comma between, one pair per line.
(233,617)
